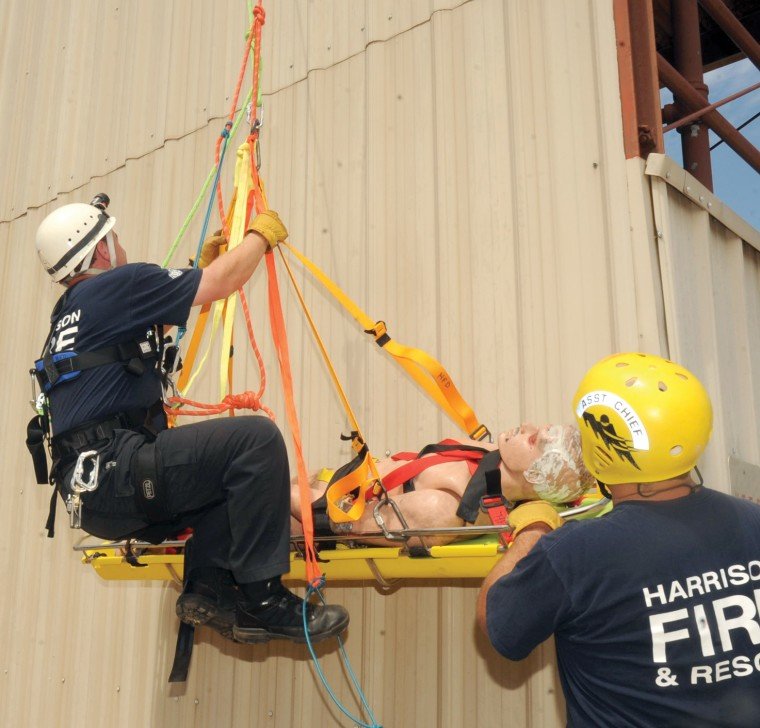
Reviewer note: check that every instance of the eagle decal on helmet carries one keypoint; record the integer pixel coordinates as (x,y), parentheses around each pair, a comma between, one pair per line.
(605,431)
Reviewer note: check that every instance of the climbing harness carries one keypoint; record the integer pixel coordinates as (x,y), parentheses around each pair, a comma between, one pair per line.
(54,369)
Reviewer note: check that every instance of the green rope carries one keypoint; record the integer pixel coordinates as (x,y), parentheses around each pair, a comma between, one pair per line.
(202,194)
(189,218)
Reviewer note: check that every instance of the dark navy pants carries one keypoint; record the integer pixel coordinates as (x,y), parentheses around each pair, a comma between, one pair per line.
(226,478)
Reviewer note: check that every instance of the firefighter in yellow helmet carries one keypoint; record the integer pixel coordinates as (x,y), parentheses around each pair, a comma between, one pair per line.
(654,606)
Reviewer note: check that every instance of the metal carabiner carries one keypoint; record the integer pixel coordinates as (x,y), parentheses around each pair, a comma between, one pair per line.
(258,122)
(81,481)
(391,536)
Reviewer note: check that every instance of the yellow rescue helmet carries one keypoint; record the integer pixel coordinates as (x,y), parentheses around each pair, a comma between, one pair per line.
(642,419)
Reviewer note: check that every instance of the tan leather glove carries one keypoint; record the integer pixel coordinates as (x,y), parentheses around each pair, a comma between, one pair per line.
(269,225)
(212,247)
(530,512)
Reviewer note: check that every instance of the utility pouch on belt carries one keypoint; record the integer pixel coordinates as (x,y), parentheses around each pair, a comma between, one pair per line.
(150,494)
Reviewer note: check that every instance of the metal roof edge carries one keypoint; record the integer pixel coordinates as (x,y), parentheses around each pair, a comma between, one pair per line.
(660,165)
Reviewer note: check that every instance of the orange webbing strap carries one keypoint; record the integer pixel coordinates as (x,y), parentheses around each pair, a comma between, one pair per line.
(363,479)
(313,572)
(426,371)
(192,349)
(257,202)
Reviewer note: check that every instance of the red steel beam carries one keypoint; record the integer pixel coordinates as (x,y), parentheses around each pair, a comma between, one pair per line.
(692,99)
(646,82)
(626,79)
(733,28)
(687,56)
(702,112)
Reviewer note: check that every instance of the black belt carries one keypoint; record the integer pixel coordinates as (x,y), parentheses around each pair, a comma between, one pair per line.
(73,440)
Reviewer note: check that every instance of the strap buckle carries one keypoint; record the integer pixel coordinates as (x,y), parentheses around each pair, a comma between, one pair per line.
(497,508)
(357,444)
(380,332)
(480,433)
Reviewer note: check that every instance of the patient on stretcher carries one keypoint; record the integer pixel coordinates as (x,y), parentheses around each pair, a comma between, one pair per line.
(533,463)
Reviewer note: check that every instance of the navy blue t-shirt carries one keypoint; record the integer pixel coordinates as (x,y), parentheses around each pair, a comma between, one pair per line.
(115,307)
(654,608)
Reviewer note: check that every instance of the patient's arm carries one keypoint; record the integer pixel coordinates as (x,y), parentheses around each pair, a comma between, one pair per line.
(420,509)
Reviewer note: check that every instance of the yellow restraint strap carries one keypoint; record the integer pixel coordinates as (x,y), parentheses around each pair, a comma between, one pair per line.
(421,367)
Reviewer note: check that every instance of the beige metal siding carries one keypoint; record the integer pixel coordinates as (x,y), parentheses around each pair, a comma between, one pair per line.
(458,168)
(710,260)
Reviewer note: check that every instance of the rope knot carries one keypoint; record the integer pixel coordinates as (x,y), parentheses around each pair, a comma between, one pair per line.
(259,14)
(245,400)
(317,583)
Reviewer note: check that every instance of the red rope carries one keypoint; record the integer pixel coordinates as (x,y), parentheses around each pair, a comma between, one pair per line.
(246,400)
(233,108)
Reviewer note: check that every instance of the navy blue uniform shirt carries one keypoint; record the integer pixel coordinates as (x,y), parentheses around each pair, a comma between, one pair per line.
(654,608)
(117,306)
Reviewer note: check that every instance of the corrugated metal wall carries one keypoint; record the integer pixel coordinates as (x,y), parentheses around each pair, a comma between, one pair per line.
(457,167)
(710,261)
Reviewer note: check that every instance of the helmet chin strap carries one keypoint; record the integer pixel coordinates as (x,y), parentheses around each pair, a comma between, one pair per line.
(84,268)
(604,489)
(693,487)
(111,249)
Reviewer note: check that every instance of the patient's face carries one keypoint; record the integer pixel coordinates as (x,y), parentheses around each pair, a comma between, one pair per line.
(523,445)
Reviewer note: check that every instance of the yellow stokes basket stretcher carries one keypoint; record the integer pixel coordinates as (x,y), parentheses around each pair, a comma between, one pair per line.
(340,560)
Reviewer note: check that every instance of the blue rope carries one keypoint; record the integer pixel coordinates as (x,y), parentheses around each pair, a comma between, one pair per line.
(181,330)
(316,589)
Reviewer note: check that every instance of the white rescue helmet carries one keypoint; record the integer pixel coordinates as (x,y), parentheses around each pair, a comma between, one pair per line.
(67,238)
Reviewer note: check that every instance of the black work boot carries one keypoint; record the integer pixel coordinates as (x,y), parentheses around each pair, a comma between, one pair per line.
(209,597)
(279,615)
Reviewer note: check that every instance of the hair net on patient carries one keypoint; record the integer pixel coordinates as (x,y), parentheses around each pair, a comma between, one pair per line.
(559,475)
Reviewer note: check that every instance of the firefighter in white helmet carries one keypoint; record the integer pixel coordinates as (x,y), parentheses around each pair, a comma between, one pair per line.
(654,606)
(118,468)
(67,238)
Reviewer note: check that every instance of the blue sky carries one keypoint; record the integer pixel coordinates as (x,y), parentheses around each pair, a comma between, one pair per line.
(734,181)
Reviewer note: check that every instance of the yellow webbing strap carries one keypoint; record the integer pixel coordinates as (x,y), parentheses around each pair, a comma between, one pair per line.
(243,185)
(324,475)
(426,371)
(189,373)
(368,470)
